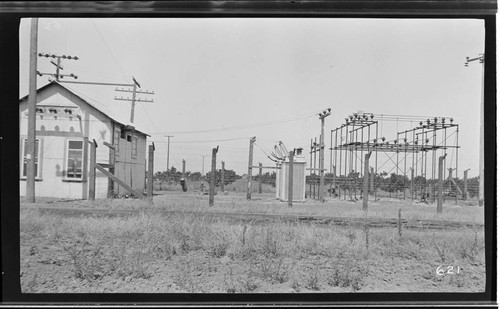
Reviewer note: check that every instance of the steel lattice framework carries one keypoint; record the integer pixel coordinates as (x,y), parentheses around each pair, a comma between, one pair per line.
(413,153)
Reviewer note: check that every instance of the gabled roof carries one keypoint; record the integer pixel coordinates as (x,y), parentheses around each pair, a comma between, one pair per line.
(52,83)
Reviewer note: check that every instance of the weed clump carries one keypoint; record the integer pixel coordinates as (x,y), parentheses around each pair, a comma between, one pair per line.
(347,274)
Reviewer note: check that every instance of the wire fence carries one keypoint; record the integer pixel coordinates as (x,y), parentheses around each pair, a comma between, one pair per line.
(395,186)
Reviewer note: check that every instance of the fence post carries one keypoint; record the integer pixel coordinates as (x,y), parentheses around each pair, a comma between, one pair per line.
(212,177)
(366,181)
(93,146)
(249,174)
(260,178)
(411,184)
(150,172)
(290,180)
(465,195)
(111,184)
(440,185)
(222,176)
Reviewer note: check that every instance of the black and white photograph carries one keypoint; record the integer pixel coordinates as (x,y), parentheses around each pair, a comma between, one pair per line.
(262,155)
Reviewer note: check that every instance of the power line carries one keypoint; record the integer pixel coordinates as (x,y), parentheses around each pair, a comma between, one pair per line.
(205,141)
(239,127)
(107,47)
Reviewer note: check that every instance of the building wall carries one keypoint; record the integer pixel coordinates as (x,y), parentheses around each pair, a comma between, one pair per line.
(54,130)
(130,165)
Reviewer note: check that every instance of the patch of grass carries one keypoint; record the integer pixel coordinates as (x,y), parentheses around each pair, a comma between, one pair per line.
(219,249)
(347,273)
(469,249)
(239,283)
(124,247)
(313,281)
(441,250)
(87,261)
(351,235)
(273,270)
(271,246)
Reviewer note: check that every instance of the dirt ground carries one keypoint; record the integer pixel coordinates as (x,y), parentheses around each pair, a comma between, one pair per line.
(389,265)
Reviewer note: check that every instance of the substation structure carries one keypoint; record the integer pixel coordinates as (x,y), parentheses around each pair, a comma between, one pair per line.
(405,166)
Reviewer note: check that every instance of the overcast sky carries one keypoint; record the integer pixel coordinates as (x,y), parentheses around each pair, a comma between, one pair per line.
(220,81)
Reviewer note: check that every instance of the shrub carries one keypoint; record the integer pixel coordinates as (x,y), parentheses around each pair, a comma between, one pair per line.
(347,274)
(273,269)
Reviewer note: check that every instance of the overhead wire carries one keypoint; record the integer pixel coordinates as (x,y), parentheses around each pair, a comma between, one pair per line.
(239,127)
(107,47)
(205,141)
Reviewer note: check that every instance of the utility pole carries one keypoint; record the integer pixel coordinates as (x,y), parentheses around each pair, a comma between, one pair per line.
(440,184)
(202,172)
(203,166)
(249,174)
(58,65)
(260,178)
(222,176)
(31,148)
(151,160)
(168,148)
(134,91)
(290,179)
(322,116)
(466,192)
(481,139)
(212,177)
(134,100)
(411,183)
(366,177)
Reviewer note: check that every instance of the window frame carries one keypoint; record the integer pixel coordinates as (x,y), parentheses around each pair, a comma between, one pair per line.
(39,158)
(66,161)
(133,148)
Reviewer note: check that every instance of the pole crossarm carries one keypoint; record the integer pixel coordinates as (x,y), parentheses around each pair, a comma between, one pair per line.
(391,147)
(137,91)
(98,83)
(136,100)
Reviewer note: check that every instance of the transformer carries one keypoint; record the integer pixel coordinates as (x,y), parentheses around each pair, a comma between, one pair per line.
(299,179)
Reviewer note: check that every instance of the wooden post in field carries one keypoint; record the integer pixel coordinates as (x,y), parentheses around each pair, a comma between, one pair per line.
(93,147)
(334,185)
(31,139)
(150,172)
(183,168)
(372,180)
(411,184)
(290,179)
(111,183)
(212,177)
(400,232)
(440,185)
(465,194)
(366,181)
(260,178)
(249,174)
(222,180)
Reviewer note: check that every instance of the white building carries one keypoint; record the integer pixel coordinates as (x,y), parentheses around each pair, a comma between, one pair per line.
(65,124)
